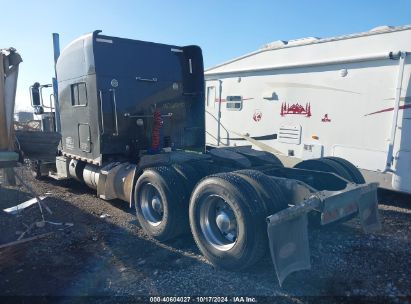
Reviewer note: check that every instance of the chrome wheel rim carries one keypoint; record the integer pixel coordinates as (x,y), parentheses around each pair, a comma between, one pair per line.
(218,222)
(152,206)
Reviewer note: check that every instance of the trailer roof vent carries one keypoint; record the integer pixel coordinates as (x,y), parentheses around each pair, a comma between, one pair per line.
(302,41)
(382,28)
(275,44)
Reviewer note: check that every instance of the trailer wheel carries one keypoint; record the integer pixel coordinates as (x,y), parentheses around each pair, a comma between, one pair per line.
(161,203)
(267,188)
(325,165)
(352,170)
(227,219)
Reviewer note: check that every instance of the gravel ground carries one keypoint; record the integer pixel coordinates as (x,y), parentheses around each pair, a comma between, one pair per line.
(110,255)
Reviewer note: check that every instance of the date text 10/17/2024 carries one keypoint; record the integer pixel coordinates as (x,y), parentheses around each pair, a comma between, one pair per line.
(203,299)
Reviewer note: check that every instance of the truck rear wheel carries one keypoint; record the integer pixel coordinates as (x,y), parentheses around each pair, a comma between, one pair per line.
(189,176)
(227,219)
(352,170)
(266,187)
(161,203)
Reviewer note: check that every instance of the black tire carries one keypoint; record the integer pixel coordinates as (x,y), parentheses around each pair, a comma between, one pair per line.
(259,157)
(205,167)
(249,211)
(352,170)
(325,165)
(168,187)
(275,159)
(267,188)
(189,176)
(271,159)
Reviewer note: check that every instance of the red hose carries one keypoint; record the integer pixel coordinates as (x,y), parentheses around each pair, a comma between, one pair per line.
(155,136)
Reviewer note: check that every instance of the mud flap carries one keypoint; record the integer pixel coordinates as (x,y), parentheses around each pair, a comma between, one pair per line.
(288,228)
(289,245)
(337,207)
(368,212)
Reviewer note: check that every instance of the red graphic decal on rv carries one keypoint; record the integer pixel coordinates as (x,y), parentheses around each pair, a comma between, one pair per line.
(404,107)
(296,109)
(325,118)
(257,115)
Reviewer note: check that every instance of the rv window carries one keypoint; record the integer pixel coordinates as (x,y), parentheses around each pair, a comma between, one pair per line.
(234,103)
(210,96)
(79,94)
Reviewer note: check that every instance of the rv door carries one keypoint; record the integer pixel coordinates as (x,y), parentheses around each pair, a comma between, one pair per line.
(216,134)
(211,96)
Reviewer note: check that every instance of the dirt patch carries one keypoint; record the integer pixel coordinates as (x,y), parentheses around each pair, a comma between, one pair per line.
(112,256)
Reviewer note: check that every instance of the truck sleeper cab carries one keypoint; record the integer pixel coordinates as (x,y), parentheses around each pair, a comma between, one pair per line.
(132,127)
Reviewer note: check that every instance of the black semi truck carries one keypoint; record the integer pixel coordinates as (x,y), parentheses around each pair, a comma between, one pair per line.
(130,123)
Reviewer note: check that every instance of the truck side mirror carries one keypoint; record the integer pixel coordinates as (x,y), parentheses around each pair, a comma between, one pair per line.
(35,95)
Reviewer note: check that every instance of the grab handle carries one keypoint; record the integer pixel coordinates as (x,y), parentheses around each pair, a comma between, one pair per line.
(100,92)
(113,95)
(154,79)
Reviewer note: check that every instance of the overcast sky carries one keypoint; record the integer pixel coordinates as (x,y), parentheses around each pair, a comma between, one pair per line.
(223,29)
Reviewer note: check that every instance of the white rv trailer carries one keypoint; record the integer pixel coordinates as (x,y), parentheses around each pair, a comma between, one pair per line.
(346,96)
